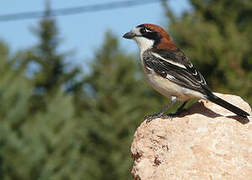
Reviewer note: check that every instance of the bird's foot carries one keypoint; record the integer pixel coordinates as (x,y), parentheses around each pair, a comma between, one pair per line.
(161,113)
(157,115)
(163,116)
(152,116)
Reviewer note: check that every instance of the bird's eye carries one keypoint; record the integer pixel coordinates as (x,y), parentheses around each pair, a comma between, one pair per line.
(144,30)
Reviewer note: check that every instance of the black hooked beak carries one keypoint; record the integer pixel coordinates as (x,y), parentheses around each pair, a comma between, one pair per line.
(129,35)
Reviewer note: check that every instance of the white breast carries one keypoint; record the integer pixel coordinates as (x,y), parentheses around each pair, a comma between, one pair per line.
(169,88)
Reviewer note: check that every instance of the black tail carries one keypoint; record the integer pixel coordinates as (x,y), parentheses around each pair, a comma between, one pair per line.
(227,105)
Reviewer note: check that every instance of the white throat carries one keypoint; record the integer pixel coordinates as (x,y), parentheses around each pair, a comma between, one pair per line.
(144,43)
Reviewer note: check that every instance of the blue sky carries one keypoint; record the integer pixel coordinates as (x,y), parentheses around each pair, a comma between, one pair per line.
(82,33)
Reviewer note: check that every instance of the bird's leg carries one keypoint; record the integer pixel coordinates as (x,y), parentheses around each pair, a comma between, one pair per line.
(161,113)
(179,110)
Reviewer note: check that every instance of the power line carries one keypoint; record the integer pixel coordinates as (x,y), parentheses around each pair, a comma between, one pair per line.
(75,10)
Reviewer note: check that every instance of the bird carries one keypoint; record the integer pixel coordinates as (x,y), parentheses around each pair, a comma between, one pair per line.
(170,72)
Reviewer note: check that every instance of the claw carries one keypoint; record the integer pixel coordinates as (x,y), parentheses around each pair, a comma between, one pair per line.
(152,116)
(157,115)
(167,116)
(161,114)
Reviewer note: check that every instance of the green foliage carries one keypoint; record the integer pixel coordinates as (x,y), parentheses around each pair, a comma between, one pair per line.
(81,135)
(115,102)
(215,35)
(42,146)
(48,68)
(82,127)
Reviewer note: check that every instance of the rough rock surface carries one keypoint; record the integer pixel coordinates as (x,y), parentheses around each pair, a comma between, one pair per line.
(205,142)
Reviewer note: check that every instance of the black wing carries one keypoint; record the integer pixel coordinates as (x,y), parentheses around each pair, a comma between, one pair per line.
(174,66)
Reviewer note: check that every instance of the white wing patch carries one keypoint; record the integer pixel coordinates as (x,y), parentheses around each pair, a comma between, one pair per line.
(168,60)
(151,70)
(170,77)
(190,65)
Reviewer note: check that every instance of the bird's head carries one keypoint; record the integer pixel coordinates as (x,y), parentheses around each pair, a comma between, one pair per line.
(148,36)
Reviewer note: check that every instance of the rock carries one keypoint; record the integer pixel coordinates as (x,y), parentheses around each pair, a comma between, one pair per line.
(206,142)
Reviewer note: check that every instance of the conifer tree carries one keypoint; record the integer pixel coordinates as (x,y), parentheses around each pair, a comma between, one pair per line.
(114,102)
(44,145)
(50,67)
(57,144)
(89,137)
